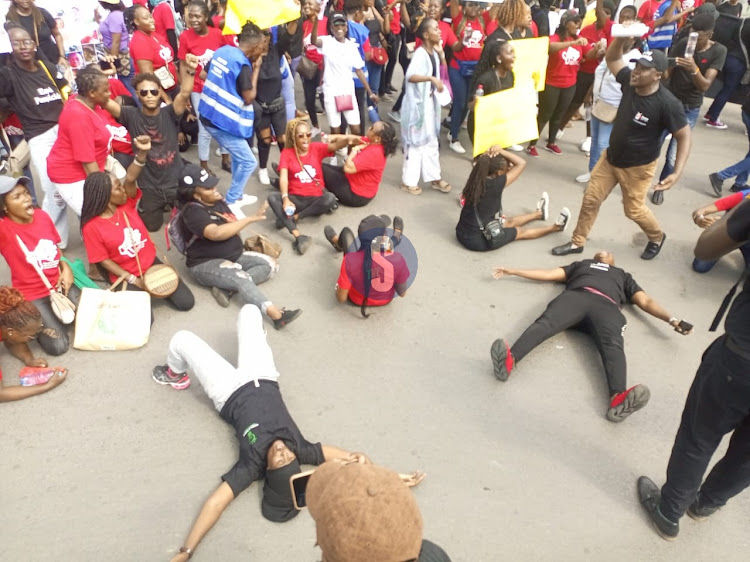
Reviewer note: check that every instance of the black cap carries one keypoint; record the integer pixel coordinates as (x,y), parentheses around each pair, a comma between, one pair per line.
(703,22)
(373,226)
(193,175)
(653,59)
(277,504)
(337,16)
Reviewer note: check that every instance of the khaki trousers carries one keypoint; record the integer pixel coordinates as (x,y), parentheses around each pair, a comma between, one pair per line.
(634,183)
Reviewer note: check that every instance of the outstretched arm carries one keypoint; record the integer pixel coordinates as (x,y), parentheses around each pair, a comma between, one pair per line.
(716,241)
(207,518)
(187,71)
(649,305)
(614,55)
(557,274)
(331,453)
(142,146)
(11,393)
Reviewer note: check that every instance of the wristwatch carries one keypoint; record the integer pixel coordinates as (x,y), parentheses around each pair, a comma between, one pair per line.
(186,550)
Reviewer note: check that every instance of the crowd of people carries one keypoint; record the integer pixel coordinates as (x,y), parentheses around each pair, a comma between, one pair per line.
(109,147)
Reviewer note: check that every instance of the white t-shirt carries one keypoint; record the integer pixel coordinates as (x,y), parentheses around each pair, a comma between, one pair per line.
(340,59)
(606,85)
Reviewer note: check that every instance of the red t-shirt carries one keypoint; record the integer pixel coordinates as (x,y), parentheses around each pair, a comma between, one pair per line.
(370,163)
(396,19)
(594,35)
(117,88)
(384,278)
(472,35)
(647,11)
(41,239)
(447,36)
(163,20)
(562,68)
(145,47)
(307,183)
(72,147)
(203,47)
(111,239)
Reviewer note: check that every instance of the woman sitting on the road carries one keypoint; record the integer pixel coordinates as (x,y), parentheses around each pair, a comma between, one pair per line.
(482,225)
(215,254)
(114,234)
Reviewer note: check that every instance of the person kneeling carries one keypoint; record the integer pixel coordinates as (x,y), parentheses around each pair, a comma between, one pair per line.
(215,254)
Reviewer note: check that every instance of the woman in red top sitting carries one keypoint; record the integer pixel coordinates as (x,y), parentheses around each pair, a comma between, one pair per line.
(35,229)
(301,183)
(113,232)
(152,54)
(566,51)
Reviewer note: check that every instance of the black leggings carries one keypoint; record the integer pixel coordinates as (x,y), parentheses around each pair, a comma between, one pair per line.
(394,47)
(276,120)
(338,184)
(591,313)
(306,207)
(53,338)
(310,87)
(553,103)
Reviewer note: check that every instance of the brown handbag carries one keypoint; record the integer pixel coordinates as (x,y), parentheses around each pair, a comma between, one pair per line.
(263,244)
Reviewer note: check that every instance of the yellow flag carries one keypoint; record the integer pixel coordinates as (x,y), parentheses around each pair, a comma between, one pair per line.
(263,13)
(531,61)
(505,118)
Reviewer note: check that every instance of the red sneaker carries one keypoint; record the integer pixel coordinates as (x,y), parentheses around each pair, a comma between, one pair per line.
(502,359)
(531,151)
(625,403)
(716,124)
(554,149)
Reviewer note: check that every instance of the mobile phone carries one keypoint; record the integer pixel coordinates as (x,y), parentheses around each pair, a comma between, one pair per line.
(298,482)
(104,65)
(671,62)
(685,326)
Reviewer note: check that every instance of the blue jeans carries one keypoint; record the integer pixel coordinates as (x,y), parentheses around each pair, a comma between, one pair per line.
(243,161)
(242,276)
(460,86)
(741,168)
(375,72)
(704,266)
(600,132)
(692,116)
(287,91)
(731,74)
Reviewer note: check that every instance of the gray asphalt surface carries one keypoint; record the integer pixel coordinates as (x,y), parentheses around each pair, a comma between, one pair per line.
(111,466)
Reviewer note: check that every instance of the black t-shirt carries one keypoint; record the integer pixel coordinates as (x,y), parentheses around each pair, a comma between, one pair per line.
(269,79)
(430,552)
(293,42)
(681,82)
(163,165)
(259,417)
(612,281)
(727,32)
(492,83)
(640,121)
(737,325)
(46,42)
(33,96)
(727,8)
(489,207)
(244,82)
(196,217)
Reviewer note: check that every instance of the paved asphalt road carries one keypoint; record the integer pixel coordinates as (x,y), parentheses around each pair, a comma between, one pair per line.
(111,466)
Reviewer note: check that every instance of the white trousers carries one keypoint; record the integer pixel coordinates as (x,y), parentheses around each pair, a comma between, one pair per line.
(421,160)
(72,194)
(216,375)
(53,204)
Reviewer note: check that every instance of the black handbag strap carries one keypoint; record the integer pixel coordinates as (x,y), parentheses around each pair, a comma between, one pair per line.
(479,219)
(727,301)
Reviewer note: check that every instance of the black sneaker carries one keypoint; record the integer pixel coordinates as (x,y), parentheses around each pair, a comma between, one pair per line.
(628,402)
(221,296)
(275,168)
(652,249)
(650,498)
(287,316)
(736,188)
(330,234)
(657,198)
(502,359)
(698,512)
(301,244)
(398,229)
(566,249)
(717,183)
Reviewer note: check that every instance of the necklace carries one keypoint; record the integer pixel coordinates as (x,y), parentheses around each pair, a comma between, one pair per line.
(117,215)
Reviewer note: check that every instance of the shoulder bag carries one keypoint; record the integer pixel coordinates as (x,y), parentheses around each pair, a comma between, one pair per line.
(603,111)
(493,230)
(19,157)
(160,279)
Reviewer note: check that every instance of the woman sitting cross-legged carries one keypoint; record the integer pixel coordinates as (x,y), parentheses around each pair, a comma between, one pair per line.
(482,225)
(215,254)
(113,232)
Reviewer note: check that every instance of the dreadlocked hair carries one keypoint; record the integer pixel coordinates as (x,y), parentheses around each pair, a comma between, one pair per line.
(88,79)
(250,33)
(36,14)
(96,192)
(291,131)
(388,139)
(510,13)
(484,166)
(15,311)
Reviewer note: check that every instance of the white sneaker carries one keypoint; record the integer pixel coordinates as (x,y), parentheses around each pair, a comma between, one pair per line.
(236,210)
(394,116)
(465,124)
(255,151)
(246,200)
(315,132)
(563,219)
(455,146)
(584,178)
(515,148)
(560,134)
(543,205)
(263,176)
(218,152)
(585,145)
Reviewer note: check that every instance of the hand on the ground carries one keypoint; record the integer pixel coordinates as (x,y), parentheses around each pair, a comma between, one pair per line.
(498,272)
(360,458)
(142,142)
(37,362)
(412,479)
(667,183)
(260,215)
(58,378)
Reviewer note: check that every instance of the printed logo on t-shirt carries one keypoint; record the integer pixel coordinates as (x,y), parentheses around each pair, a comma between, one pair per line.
(600,266)
(132,242)
(472,37)
(165,53)
(251,437)
(118,133)
(46,95)
(307,175)
(640,119)
(44,255)
(571,56)
(205,58)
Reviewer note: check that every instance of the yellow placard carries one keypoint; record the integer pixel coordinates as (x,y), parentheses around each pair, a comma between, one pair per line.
(263,13)
(505,118)
(531,61)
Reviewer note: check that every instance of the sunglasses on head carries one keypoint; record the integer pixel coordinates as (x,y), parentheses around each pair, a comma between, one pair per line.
(306,135)
(144,93)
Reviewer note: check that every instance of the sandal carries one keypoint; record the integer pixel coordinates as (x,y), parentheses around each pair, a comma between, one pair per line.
(398,229)
(442,185)
(416,190)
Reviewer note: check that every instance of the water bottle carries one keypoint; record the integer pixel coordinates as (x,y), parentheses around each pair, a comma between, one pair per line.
(32,376)
(691,43)
(372,111)
(480,91)
(289,210)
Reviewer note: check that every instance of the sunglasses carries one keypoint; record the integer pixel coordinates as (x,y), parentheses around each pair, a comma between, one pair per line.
(307,135)
(144,93)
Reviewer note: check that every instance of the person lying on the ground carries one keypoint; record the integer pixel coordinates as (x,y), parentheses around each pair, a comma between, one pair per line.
(482,225)
(705,216)
(361,281)
(248,398)
(215,255)
(595,290)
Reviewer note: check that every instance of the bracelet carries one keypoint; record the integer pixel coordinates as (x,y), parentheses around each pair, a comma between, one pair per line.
(673,319)
(694,73)
(131,279)
(186,550)
(138,162)
(190,73)
(285,196)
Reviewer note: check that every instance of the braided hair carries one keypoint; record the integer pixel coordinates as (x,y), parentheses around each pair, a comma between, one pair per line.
(88,79)
(484,166)
(291,131)
(15,17)
(510,13)
(388,139)
(97,190)
(15,311)
(250,33)
(487,61)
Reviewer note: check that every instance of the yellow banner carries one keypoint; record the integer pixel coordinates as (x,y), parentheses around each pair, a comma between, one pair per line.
(531,61)
(505,118)
(263,13)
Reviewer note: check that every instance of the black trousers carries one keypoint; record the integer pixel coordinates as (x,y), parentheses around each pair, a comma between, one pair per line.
(394,47)
(151,206)
(309,87)
(263,121)
(306,207)
(53,339)
(591,313)
(553,103)
(718,403)
(338,184)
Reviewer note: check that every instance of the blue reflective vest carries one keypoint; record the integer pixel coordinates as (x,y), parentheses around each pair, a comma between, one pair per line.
(220,102)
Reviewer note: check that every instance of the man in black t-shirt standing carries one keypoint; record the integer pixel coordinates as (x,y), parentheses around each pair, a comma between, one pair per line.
(595,290)
(646,110)
(718,403)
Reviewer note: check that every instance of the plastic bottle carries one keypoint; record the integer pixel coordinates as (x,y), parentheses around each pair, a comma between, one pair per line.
(480,91)
(691,43)
(289,210)
(32,376)
(373,113)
